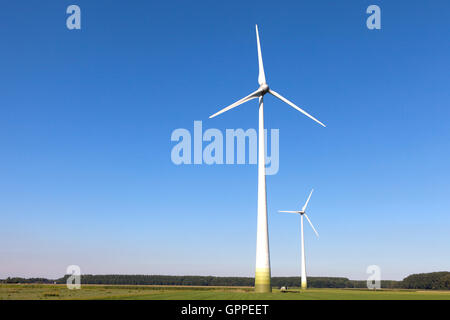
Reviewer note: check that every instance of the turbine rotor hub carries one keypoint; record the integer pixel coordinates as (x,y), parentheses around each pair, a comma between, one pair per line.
(264,88)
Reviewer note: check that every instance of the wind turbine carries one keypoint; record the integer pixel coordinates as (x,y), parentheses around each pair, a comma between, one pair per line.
(262,273)
(303,213)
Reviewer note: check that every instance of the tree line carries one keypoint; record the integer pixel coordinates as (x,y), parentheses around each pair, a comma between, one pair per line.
(434,280)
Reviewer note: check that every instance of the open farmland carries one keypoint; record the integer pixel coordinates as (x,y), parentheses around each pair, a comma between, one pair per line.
(126,292)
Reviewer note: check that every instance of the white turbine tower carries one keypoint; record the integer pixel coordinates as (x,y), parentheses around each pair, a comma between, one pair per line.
(303,213)
(262,274)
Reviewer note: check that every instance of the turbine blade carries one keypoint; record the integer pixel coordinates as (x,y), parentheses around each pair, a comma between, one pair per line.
(289,211)
(306,203)
(261,76)
(237,103)
(312,225)
(295,107)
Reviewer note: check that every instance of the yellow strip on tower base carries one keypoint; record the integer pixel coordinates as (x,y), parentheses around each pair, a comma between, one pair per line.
(304,285)
(262,280)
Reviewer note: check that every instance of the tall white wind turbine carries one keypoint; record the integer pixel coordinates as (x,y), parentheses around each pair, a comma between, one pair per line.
(303,213)
(262,274)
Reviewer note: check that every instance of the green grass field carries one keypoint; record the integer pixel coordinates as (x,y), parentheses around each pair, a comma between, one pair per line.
(100,292)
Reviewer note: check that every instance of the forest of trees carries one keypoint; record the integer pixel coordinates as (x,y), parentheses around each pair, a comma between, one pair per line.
(434,280)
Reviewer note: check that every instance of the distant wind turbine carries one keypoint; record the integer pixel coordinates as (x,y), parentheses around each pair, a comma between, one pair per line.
(303,213)
(262,274)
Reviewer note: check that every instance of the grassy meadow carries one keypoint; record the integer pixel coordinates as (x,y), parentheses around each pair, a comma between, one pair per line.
(127,292)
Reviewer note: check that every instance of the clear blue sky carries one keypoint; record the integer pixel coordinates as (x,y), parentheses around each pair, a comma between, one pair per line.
(86,118)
